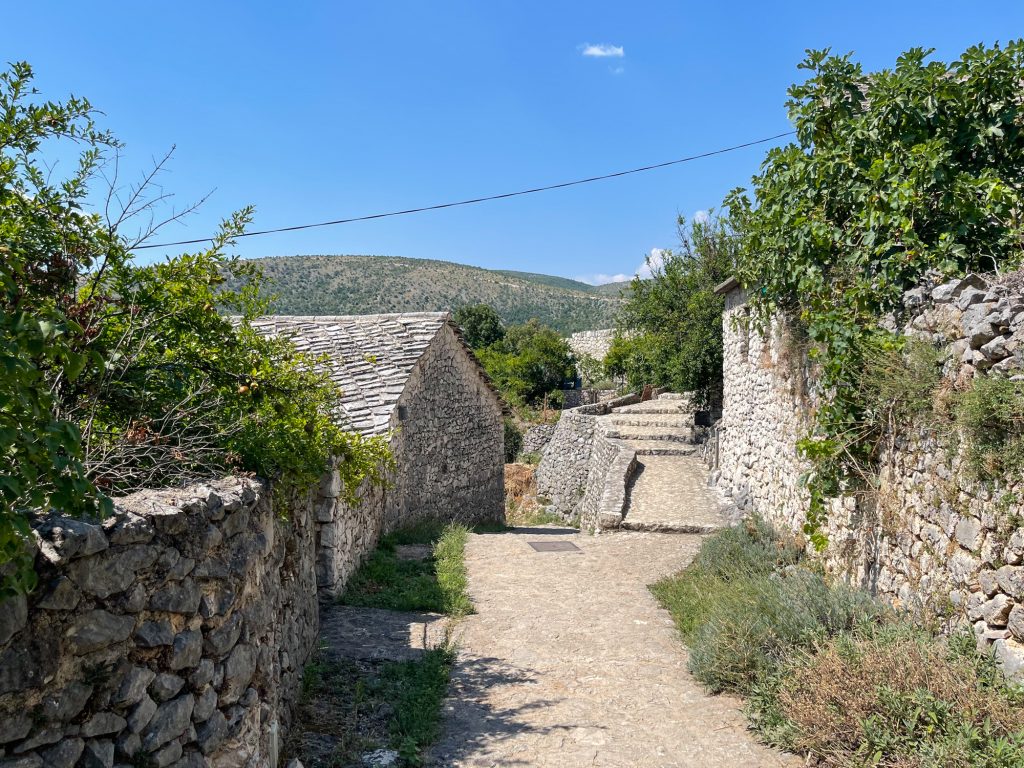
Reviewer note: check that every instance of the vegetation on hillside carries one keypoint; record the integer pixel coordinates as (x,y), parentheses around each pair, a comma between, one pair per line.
(481,325)
(830,672)
(670,326)
(895,174)
(354,285)
(115,375)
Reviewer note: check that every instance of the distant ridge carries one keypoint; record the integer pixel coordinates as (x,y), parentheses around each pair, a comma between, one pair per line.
(353,285)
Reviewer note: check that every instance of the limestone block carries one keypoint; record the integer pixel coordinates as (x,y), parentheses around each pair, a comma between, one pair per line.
(98,629)
(1010,656)
(996,611)
(1011,580)
(169,722)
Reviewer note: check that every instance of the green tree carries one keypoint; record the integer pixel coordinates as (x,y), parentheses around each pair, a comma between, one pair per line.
(670,327)
(530,362)
(480,325)
(898,173)
(115,375)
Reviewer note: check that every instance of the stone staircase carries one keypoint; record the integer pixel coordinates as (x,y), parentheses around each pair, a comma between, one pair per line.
(667,491)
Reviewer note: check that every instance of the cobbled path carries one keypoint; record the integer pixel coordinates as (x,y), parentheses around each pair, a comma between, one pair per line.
(570,662)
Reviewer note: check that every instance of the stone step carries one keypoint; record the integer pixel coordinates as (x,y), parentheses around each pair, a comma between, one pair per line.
(667,527)
(653,406)
(669,494)
(670,434)
(675,421)
(653,448)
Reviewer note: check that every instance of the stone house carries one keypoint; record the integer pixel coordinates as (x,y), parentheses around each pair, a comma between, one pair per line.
(410,377)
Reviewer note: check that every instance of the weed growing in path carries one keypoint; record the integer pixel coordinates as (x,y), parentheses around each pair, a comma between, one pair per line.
(399,578)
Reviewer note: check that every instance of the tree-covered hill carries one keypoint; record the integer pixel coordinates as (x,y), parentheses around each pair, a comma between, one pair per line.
(343,285)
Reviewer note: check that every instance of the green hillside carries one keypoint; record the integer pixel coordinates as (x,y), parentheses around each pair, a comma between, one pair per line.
(347,285)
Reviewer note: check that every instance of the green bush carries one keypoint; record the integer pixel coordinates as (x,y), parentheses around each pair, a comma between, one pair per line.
(893,174)
(531,361)
(756,622)
(513,441)
(116,376)
(670,327)
(750,550)
(830,672)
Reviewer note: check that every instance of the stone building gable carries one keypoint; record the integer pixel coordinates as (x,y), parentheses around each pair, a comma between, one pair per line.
(371,357)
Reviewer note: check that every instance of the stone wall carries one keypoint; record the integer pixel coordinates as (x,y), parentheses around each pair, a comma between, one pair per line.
(594,344)
(345,533)
(931,540)
(612,465)
(172,633)
(536,437)
(449,442)
(449,456)
(565,466)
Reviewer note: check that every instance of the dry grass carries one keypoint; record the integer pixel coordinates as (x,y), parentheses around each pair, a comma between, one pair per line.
(841,695)
(519,482)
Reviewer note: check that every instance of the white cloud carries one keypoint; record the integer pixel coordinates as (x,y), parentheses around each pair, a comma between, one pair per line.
(701,217)
(655,259)
(601,279)
(602,50)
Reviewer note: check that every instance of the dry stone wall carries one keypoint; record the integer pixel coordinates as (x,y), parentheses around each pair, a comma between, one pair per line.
(933,541)
(171,634)
(535,438)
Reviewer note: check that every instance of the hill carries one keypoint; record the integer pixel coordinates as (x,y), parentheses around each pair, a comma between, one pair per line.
(352,285)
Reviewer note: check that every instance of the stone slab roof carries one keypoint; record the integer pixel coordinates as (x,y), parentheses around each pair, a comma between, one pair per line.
(371,356)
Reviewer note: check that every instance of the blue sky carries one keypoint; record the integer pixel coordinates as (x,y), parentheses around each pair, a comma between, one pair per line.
(320,110)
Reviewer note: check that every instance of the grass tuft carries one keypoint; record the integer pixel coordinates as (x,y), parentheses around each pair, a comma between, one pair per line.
(434,584)
(416,690)
(450,565)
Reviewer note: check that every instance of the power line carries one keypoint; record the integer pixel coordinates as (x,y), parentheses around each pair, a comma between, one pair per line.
(480,199)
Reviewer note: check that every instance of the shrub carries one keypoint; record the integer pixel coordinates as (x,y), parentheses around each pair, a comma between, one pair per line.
(513,441)
(894,174)
(531,361)
(757,621)
(115,375)
(670,327)
(892,694)
(745,603)
(745,551)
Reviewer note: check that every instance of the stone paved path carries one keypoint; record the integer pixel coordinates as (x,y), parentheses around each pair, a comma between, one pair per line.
(670,494)
(570,662)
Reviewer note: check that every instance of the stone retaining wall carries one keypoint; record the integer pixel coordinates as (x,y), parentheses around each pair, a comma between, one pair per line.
(535,438)
(612,465)
(594,344)
(171,634)
(566,474)
(932,540)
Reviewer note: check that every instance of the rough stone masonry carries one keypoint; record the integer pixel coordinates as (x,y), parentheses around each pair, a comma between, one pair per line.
(934,541)
(175,629)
